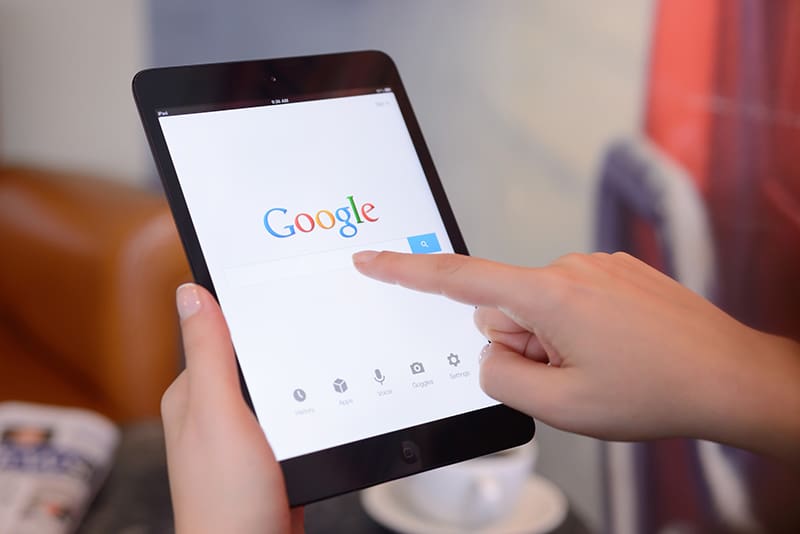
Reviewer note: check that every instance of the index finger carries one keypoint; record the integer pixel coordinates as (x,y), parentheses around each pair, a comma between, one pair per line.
(463,278)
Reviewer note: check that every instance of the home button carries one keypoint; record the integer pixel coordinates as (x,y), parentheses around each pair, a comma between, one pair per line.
(409,452)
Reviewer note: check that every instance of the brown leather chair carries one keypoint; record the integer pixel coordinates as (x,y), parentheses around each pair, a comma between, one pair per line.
(88,271)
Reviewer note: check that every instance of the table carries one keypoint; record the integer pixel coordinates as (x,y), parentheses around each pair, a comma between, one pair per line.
(135,498)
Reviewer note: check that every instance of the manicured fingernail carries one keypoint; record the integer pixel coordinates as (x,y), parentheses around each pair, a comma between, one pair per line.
(364,256)
(484,352)
(188,300)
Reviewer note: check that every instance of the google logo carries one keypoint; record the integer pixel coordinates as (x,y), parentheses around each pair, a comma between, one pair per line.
(324,219)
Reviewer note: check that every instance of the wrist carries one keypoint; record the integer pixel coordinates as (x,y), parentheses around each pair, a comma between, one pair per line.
(755,400)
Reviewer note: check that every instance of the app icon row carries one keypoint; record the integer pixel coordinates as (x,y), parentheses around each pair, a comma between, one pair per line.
(340,384)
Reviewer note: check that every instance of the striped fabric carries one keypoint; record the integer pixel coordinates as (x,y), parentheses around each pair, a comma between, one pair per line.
(723,116)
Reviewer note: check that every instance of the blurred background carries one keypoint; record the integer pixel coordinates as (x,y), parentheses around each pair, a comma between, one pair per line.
(667,128)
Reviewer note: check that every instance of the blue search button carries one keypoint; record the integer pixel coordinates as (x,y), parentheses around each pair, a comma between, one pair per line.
(424,244)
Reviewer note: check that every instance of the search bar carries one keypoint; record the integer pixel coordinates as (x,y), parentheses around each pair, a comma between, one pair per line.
(327,261)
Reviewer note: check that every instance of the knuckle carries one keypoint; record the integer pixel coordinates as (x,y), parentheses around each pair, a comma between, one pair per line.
(622,256)
(167,401)
(448,264)
(560,283)
(170,400)
(571,259)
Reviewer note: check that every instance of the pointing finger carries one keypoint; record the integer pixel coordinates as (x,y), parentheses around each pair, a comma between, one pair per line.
(462,278)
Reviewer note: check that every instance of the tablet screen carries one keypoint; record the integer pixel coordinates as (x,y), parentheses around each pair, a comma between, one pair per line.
(281,195)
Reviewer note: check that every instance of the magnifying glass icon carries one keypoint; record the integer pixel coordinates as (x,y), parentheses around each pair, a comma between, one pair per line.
(424,244)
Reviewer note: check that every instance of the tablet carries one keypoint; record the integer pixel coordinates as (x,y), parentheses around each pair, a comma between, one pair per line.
(277,171)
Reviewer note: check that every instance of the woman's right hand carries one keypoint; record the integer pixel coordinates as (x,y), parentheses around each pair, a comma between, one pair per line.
(607,346)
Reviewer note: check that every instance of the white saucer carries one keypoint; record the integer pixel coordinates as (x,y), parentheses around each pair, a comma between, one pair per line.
(541,508)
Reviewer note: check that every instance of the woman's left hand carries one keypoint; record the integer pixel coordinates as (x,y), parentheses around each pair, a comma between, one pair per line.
(222,472)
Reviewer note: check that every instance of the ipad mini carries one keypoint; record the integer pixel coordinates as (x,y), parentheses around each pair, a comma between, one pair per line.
(277,171)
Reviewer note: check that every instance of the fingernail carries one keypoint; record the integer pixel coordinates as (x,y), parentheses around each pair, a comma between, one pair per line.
(484,352)
(188,300)
(364,256)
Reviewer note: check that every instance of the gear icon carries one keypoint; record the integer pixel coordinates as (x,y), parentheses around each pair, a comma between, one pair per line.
(453,360)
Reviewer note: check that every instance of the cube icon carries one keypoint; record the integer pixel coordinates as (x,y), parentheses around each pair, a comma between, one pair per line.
(340,385)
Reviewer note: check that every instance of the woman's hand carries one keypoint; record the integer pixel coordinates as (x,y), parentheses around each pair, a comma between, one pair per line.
(606,346)
(223,475)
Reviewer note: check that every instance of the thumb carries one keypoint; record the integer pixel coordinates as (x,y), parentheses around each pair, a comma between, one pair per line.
(210,362)
(524,384)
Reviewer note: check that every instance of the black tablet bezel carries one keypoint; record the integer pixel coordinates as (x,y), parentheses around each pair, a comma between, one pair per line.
(381,458)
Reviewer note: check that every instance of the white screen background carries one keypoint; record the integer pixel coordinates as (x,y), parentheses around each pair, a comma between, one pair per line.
(303,317)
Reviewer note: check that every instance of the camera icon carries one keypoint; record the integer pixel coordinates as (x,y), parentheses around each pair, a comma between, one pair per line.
(417,368)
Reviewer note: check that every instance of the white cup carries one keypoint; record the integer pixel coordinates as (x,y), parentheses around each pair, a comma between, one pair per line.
(471,493)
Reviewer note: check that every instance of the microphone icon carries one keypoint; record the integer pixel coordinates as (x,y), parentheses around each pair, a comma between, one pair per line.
(379,377)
